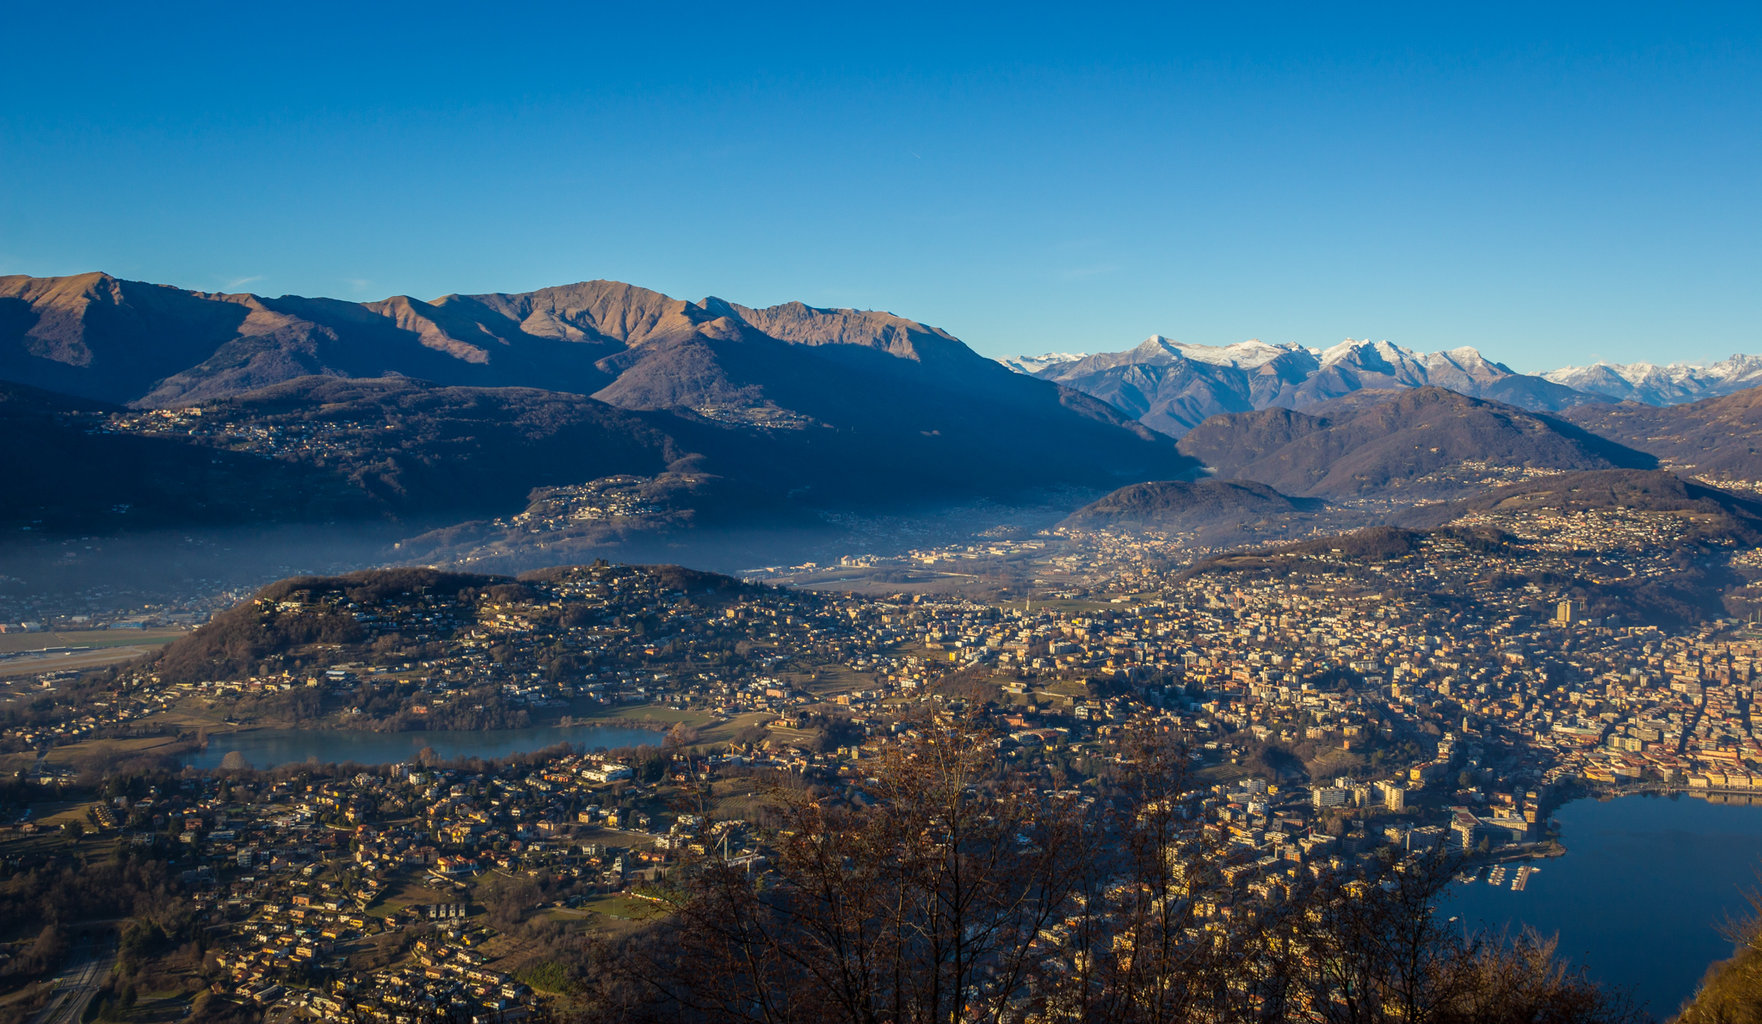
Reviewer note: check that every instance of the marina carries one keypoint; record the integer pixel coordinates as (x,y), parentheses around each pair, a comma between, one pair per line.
(1637,899)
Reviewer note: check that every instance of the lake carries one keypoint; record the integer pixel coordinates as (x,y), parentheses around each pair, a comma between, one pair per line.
(267,748)
(1640,894)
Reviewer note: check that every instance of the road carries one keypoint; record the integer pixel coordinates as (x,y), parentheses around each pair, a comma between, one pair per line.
(88,965)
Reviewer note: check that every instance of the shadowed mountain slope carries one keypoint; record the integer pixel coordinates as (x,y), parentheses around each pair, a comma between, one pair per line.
(1424,442)
(1717,437)
(69,471)
(791,403)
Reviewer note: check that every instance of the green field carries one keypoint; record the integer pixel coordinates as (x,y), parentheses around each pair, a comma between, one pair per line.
(645,713)
(624,907)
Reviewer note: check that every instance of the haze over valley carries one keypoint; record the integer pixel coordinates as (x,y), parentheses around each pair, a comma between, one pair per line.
(231,438)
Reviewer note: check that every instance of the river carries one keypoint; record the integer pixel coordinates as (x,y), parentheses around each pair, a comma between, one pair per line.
(1640,894)
(268,748)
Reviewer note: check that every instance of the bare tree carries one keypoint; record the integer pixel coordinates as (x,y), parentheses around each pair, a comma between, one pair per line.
(924,902)
(944,890)
(1523,981)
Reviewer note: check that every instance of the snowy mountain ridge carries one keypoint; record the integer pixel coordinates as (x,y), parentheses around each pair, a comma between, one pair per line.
(1171,385)
(1667,384)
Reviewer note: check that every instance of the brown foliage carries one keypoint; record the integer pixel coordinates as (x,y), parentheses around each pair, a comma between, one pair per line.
(944,892)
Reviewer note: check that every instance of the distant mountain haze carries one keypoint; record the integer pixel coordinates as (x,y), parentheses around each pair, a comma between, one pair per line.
(1172,386)
(1669,384)
(1213,512)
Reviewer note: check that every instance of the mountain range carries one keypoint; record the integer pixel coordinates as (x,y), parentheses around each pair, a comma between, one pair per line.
(432,413)
(1173,386)
(1669,384)
(1367,458)
(570,418)
(96,336)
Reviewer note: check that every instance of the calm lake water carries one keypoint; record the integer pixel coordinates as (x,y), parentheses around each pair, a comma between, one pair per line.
(267,748)
(1640,894)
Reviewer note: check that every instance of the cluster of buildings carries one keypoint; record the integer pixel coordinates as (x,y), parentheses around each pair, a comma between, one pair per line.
(306,439)
(1448,689)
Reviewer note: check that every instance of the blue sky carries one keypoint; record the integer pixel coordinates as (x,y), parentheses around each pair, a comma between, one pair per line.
(1550,186)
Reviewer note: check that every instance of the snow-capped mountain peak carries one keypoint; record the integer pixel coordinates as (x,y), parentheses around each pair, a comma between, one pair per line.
(1666,384)
(1245,355)
(1034,364)
(1172,385)
(1350,349)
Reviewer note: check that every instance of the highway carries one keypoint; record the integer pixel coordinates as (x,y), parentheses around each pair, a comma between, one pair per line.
(87,966)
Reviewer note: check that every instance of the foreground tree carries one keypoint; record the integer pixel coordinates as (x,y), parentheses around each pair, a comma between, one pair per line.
(942,890)
(924,902)
(1731,991)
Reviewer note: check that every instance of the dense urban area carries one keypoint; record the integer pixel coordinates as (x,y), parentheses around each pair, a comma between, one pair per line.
(1335,703)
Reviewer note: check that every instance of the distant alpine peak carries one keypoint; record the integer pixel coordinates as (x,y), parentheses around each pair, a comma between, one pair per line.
(1031,365)
(1663,384)
(1244,355)
(1346,350)
(1171,386)
(1466,354)
(1253,353)
(1464,357)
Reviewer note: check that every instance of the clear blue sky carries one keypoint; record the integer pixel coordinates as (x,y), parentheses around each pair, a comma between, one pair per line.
(1549,183)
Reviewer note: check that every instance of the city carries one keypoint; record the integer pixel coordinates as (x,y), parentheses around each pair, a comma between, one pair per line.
(1334,707)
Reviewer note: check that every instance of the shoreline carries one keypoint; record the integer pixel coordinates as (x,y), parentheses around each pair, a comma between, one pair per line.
(397,747)
(1554,847)
(1609,836)
(206,735)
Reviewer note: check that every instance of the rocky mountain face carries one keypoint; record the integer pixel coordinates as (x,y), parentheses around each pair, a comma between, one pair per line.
(1669,384)
(1426,442)
(1172,387)
(153,345)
